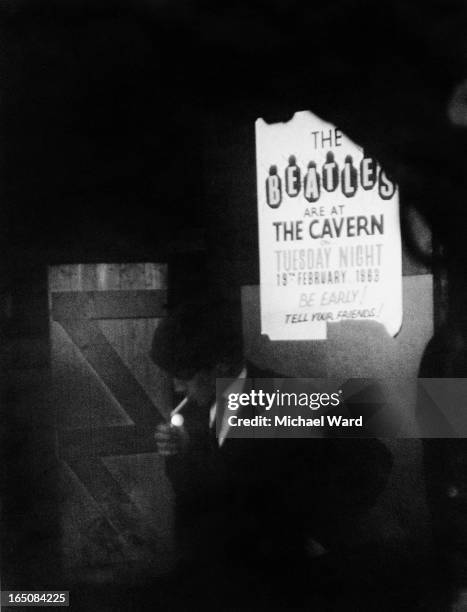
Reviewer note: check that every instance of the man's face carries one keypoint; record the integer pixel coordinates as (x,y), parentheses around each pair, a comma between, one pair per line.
(200,387)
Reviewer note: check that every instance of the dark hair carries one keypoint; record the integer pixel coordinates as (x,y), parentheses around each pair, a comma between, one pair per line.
(198,335)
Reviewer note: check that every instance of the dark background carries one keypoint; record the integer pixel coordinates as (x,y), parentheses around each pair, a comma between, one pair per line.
(112,114)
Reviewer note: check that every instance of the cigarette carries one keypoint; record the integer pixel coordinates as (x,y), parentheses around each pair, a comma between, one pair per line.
(179,407)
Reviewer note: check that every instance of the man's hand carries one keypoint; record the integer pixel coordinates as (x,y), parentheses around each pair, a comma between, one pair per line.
(171,440)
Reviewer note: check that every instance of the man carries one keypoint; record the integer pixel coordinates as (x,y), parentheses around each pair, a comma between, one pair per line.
(197,344)
(256,510)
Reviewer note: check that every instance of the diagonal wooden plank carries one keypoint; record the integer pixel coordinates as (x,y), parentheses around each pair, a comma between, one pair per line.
(133,536)
(105,360)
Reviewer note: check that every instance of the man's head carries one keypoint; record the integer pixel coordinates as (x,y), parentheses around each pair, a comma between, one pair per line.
(198,342)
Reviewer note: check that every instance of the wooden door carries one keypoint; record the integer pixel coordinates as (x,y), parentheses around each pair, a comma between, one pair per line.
(116,503)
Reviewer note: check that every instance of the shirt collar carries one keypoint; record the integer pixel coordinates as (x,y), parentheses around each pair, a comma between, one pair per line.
(237,385)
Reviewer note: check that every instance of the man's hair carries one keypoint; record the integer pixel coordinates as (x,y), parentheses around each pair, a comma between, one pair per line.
(198,335)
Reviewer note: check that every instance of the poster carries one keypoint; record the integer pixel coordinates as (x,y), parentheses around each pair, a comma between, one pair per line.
(329,233)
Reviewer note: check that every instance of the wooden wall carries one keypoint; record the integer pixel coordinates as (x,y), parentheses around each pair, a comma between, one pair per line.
(400,521)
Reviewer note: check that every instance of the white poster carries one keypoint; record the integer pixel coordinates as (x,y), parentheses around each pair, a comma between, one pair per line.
(329,233)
